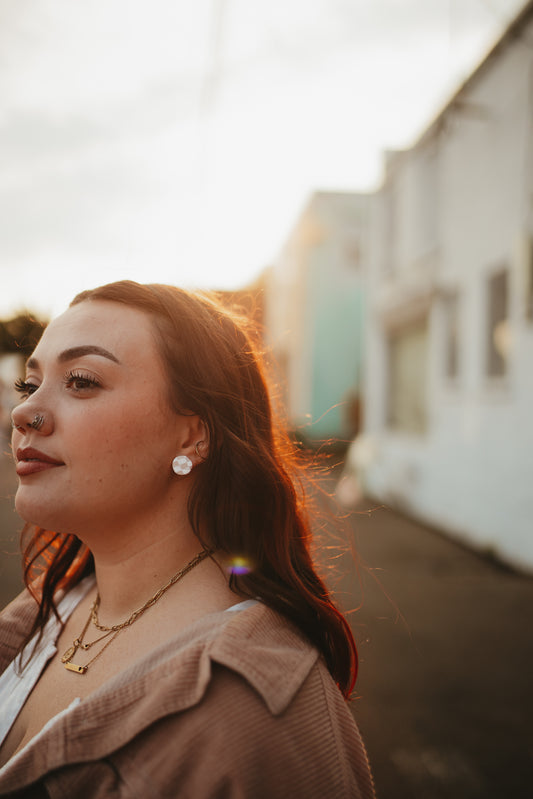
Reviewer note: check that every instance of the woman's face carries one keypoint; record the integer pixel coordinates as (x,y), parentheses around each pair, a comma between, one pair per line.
(104,451)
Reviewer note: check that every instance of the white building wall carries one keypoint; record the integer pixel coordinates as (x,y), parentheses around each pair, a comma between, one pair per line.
(472,471)
(287,328)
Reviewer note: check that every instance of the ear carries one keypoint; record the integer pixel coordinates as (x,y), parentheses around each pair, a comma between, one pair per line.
(193,438)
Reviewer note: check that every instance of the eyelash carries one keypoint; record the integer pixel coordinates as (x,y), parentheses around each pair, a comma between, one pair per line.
(26,389)
(73,377)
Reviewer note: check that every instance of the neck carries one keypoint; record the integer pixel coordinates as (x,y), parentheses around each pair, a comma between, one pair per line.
(133,562)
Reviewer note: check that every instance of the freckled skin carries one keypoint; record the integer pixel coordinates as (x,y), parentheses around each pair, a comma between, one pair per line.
(125,424)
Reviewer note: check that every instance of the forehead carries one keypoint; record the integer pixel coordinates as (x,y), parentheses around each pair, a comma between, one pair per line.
(125,332)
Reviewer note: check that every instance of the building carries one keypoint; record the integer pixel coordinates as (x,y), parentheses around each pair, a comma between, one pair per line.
(449,380)
(314,306)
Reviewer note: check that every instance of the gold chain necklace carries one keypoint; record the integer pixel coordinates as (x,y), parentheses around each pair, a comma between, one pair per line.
(79,643)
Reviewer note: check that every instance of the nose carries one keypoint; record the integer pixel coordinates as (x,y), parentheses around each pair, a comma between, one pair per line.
(24,419)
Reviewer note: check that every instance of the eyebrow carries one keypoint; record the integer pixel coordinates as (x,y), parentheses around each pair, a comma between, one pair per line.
(77,352)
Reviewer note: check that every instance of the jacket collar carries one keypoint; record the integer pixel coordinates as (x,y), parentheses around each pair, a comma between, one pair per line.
(257,643)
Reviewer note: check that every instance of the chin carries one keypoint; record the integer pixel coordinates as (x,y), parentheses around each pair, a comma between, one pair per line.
(41,512)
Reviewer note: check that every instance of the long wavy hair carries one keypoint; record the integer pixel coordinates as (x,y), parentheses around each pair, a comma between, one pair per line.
(247,500)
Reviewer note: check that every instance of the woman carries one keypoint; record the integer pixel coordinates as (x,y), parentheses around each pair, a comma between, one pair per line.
(175,639)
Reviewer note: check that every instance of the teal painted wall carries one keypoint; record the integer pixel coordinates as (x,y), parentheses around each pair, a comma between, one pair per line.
(335,326)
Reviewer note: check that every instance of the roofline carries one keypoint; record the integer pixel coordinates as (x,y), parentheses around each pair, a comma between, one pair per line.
(510,34)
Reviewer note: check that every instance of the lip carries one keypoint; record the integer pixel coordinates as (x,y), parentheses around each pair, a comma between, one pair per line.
(30,461)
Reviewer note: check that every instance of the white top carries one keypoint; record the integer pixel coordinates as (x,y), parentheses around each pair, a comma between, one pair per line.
(16,687)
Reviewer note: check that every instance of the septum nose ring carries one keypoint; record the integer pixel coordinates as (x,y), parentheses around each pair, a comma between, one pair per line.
(38,422)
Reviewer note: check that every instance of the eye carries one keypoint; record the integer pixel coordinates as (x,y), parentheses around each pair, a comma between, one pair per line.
(25,388)
(78,381)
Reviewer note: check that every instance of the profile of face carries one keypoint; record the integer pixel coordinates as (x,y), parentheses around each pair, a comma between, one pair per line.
(104,450)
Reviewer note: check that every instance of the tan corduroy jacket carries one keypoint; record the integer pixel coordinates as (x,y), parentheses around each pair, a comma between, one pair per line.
(237,706)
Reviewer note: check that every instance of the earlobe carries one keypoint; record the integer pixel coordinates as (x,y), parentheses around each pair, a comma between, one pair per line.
(181,465)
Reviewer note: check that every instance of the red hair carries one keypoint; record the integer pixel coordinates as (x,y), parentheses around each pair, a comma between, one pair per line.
(247,500)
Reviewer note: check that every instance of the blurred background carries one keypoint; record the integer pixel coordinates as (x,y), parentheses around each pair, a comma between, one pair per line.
(360,175)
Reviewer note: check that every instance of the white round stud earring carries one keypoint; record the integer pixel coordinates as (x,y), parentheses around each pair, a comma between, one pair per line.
(181,464)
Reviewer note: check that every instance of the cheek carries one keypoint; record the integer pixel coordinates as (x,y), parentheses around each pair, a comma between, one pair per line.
(118,448)
(118,436)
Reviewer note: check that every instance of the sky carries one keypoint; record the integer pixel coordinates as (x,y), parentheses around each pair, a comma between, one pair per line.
(178,142)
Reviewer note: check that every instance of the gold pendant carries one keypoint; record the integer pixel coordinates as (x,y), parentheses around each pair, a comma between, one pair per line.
(74,668)
(68,654)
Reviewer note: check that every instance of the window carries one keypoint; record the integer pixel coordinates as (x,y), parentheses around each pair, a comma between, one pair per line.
(451,335)
(498,331)
(407,377)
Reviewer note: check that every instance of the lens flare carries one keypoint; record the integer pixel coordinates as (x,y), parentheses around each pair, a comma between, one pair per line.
(238,565)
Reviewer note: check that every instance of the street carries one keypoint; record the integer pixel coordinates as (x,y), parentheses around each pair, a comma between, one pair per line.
(444,697)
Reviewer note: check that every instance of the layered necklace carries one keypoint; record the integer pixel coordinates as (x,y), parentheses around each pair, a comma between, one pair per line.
(111,633)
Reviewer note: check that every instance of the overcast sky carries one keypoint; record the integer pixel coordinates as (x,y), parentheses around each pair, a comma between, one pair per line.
(177,141)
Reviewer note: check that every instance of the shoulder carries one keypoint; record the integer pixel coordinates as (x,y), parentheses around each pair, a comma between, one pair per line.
(270,722)
(310,749)
(268,652)
(15,622)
